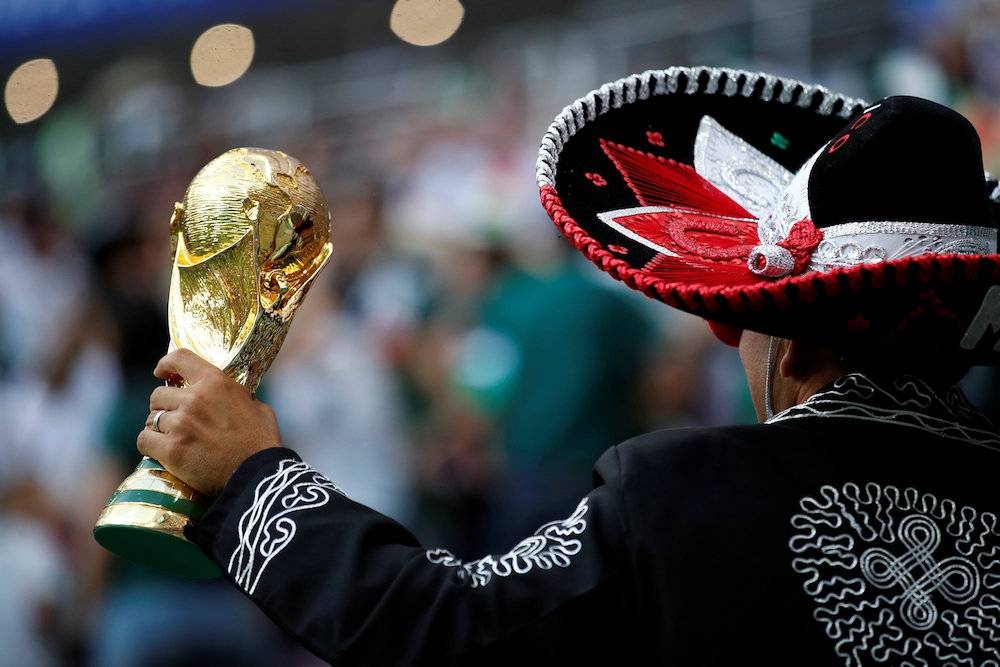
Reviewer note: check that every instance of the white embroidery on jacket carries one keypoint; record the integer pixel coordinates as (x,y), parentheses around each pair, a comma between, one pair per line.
(908,402)
(265,529)
(900,576)
(552,545)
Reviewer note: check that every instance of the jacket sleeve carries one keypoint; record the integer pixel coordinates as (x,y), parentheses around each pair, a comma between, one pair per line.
(355,587)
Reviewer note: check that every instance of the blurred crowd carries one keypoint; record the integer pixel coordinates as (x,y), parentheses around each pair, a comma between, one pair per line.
(456,367)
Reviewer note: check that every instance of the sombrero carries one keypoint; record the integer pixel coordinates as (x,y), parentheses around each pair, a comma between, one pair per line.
(764,203)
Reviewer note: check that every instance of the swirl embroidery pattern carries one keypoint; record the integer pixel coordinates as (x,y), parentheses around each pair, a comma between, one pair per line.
(908,402)
(900,576)
(265,529)
(552,545)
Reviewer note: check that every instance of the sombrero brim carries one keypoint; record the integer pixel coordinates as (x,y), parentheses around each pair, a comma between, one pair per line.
(908,301)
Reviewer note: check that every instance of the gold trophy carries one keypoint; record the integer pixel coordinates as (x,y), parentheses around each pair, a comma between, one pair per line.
(248,240)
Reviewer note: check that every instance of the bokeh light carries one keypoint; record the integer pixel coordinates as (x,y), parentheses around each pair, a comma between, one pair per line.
(31,90)
(222,54)
(426,22)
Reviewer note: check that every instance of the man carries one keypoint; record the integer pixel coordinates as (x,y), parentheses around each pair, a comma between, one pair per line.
(856,525)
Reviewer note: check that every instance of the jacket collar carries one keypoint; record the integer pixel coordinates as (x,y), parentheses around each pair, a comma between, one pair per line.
(904,401)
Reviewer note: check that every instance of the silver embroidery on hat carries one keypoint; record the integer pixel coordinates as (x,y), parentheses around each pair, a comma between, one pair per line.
(855,243)
(771,261)
(768,259)
(753,180)
(667,82)
(774,227)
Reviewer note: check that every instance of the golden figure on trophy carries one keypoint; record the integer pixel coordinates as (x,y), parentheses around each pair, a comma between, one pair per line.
(247,241)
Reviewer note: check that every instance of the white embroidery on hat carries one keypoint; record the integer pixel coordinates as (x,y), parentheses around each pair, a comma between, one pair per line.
(899,575)
(651,83)
(864,242)
(752,179)
(265,528)
(771,261)
(609,218)
(552,545)
(793,206)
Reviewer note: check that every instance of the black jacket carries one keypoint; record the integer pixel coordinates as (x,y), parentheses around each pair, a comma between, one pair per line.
(858,528)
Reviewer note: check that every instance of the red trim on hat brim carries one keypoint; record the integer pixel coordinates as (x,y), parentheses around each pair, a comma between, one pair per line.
(773,295)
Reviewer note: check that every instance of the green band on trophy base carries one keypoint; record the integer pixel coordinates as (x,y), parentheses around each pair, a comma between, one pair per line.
(144,522)
(156,549)
(152,464)
(186,507)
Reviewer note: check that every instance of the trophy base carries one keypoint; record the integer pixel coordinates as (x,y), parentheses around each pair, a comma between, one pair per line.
(154,537)
(145,519)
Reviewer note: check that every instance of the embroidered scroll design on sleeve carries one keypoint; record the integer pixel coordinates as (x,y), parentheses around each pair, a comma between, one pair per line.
(552,545)
(900,577)
(266,528)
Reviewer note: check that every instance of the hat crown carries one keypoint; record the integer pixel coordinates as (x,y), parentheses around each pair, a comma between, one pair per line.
(903,159)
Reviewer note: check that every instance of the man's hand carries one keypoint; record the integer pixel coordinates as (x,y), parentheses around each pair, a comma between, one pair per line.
(210,426)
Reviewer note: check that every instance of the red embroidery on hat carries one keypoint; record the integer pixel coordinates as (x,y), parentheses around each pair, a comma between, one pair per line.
(596,179)
(713,240)
(657,181)
(618,249)
(801,241)
(862,119)
(694,247)
(655,138)
(705,225)
(758,297)
(835,146)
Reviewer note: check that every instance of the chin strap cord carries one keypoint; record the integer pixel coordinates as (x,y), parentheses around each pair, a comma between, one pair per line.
(772,356)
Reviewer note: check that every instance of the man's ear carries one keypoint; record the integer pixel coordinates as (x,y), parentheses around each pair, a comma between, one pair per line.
(796,359)
(799,359)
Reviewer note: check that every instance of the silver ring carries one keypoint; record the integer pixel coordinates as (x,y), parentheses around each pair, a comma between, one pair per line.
(156,421)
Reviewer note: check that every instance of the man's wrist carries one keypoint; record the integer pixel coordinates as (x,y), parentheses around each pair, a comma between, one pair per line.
(247,474)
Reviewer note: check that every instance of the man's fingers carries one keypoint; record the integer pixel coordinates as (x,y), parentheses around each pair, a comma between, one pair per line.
(184,364)
(154,445)
(163,424)
(166,398)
